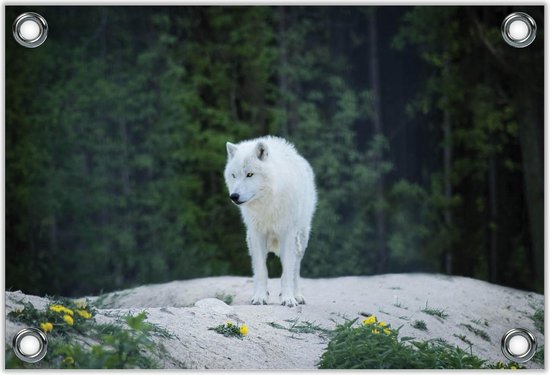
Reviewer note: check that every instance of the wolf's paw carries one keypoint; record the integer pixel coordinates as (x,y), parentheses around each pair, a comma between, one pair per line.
(259,298)
(300,298)
(289,301)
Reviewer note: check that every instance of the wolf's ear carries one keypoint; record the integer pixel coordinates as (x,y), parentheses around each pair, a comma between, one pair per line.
(261,151)
(231,149)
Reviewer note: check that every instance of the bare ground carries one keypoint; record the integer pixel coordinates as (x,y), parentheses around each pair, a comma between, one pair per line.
(188,308)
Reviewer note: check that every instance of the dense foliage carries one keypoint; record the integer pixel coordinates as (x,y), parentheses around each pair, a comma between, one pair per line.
(77,341)
(367,346)
(115,141)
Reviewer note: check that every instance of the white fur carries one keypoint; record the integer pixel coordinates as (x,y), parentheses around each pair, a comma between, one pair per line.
(277,204)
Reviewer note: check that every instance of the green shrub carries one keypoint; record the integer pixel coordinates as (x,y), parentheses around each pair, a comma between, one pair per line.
(366,347)
(81,343)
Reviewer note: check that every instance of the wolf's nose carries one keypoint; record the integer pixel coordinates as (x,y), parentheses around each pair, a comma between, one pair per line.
(234,197)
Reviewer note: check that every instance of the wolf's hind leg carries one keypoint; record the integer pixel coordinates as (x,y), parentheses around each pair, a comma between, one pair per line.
(301,244)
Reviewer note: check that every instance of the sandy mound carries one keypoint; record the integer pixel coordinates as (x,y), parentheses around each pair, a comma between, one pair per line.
(188,308)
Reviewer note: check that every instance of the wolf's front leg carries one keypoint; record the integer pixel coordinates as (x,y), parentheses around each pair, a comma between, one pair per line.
(258,251)
(288,260)
(297,290)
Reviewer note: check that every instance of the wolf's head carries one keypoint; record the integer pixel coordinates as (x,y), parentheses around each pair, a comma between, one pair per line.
(245,172)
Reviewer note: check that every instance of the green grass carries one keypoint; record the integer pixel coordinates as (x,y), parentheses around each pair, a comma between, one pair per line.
(306,327)
(420,324)
(476,331)
(86,344)
(359,347)
(538,319)
(463,338)
(276,325)
(479,322)
(297,326)
(399,304)
(440,313)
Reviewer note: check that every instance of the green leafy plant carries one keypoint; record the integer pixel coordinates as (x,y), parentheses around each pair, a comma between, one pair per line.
(82,343)
(362,347)
(59,317)
(231,330)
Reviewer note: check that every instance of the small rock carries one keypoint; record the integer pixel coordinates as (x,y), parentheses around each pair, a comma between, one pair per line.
(214,305)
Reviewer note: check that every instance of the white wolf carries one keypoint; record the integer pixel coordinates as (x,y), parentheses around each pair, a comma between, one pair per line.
(275,190)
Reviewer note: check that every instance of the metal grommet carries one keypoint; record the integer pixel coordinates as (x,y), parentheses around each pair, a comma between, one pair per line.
(30,345)
(518,345)
(519,29)
(30,29)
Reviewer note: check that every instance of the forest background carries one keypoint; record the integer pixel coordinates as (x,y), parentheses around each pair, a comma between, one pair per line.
(424,129)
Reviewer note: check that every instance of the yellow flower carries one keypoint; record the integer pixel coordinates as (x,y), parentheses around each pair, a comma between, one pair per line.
(243,330)
(513,367)
(375,331)
(382,324)
(387,331)
(68,319)
(370,320)
(46,327)
(61,309)
(56,308)
(68,360)
(85,314)
(229,324)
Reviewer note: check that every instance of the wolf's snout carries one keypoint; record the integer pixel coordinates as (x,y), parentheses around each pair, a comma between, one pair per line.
(234,197)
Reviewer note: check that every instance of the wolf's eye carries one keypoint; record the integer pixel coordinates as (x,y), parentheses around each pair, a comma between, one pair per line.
(249,174)
(233,175)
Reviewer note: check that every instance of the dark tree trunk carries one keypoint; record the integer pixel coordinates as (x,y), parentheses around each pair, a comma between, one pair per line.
(374,72)
(493,221)
(531,134)
(447,170)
